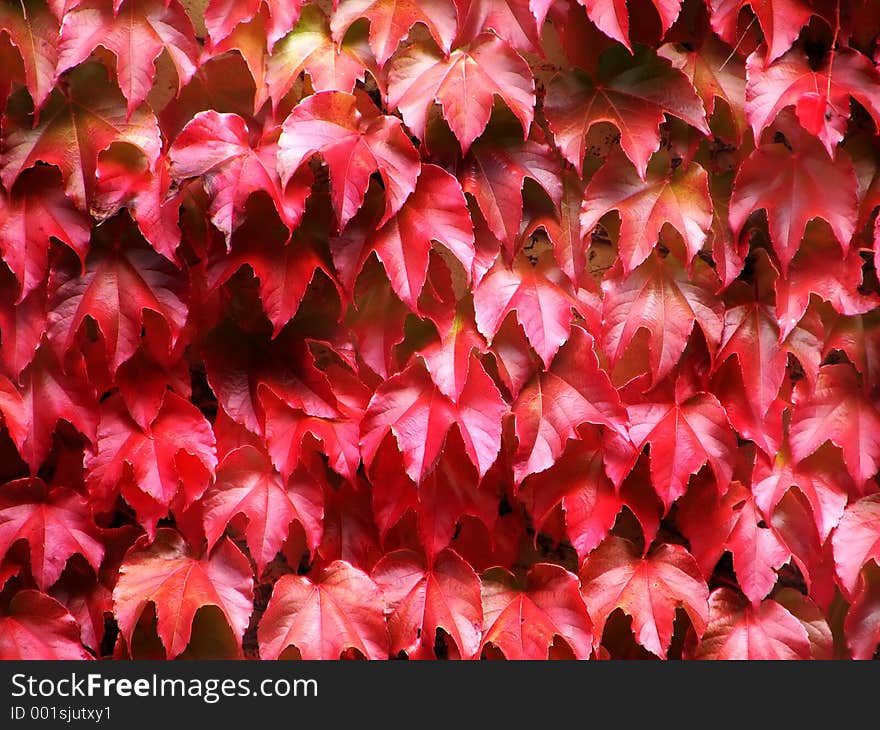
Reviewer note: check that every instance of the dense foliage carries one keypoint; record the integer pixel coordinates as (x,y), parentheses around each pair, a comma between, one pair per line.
(439,328)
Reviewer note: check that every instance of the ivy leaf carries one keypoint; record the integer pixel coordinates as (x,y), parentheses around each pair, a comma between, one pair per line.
(578,484)
(332,65)
(821,97)
(436,211)
(739,630)
(659,297)
(74,128)
(120,284)
(464,83)
(47,394)
(392,20)
(817,477)
(683,434)
(612,18)
(678,197)
(218,149)
(518,22)
(856,541)
(354,140)
(247,484)
(838,411)
(649,589)
(169,464)
(55,524)
(340,610)
(150,26)
(494,171)
(548,411)
(33,30)
(780,21)
(634,93)
(36,212)
(412,408)
(166,573)
(523,620)
(538,296)
(818,268)
(422,598)
(222,17)
(36,626)
(714,75)
(806,183)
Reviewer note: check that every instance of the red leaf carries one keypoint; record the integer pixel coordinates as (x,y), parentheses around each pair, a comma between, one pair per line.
(36,626)
(392,20)
(34,32)
(678,197)
(715,75)
(757,551)
(168,465)
(805,184)
(144,378)
(818,268)
(817,477)
(421,598)
(648,589)
(549,410)
(518,22)
(577,482)
(812,619)
(341,610)
(612,18)
(47,395)
(538,295)
(21,325)
(780,21)
(285,270)
(837,411)
(448,360)
(683,435)
(739,630)
(705,517)
(820,96)
(449,493)
(74,129)
(332,65)
(856,541)
(350,532)
(436,211)
(464,84)
(633,93)
(860,626)
(659,297)
(411,407)
(178,583)
(494,171)
(218,148)
(117,288)
(751,336)
(716,522)
(55,524)
(286,425)
(222,17)
(150,26)
(354,141)
(564,230)
(523,621)
(247,484)
(125,180)
(37,211)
